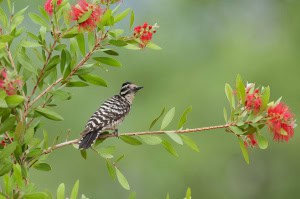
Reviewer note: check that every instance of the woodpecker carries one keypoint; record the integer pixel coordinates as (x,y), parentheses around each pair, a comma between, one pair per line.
(110,114)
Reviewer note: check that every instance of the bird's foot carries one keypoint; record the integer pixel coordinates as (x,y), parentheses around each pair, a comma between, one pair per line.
(116,133)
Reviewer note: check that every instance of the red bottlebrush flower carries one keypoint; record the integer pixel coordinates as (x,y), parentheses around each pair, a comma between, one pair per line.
(250,140)
(8,84)
(144,33)
(49,6)
(281,122)
(253,98)
(87,15)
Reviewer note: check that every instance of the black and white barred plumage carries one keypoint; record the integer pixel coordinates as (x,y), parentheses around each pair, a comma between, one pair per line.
(111,113)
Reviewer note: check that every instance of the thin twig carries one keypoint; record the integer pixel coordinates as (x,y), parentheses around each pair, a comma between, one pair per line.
(81,63)
(75,141)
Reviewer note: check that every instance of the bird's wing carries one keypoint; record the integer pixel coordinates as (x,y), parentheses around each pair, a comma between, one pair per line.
(110,112)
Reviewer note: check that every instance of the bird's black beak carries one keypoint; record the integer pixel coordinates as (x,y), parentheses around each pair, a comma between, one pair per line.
(138,88)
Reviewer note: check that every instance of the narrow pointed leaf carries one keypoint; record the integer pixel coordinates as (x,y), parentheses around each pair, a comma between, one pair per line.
(230,96)
(168,118)
(175,137)
(122,180)
(111,169)
(93,79)
(265,98)
(49,114)
(261,141)
(240,88)
(156,119)
(169,147)
(74,192)
(108,61)
(244,150)
(190,142)
(131,19)
(61,191)
(122,15)
(151,139)
(14,100)
(42,166)
(130,140)
(183,118)
(188,194)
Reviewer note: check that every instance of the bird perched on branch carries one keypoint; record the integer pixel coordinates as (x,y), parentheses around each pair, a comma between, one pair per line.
(110,114)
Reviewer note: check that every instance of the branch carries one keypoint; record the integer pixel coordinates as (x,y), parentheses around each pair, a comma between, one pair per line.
(75,141)
(81,63)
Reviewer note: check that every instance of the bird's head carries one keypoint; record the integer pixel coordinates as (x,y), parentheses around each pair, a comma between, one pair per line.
(128,90)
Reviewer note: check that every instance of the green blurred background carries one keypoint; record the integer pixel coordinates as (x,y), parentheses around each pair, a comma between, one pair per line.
(206,43)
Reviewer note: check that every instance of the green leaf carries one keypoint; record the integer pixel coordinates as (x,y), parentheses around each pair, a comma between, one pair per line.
(61,191)
(151,139)
(85,16)
(38,20)
(122,15)
(7,124)
(168,118)
(83,154)
(261,141)
(3,18)
(17,175)
(188,194)
(14,100)
(108,61)
(8,150)
(110,52)
(106,18)
(74,192)
(225,114)
(3,104)
(240,88)
(283,132)
(93,79)
(19,132)
(236,130)
(168,196)
(169,147)
(130,140)
(132,195)
(230,96)
(76,84)
(81,43)
(244,150)
(265,98)
(35,152)
(5,166)
(49,114)
(62,95)
(153,46)
(175,137)
(188,141)
(132,47)
(183,118)
(156,119)
(30,44)
(42,167)
(118,43)
(28,135)
(122,180)
(106,152)
(131,19)
(37,195)
(6,38)
(111,169)
(91,40)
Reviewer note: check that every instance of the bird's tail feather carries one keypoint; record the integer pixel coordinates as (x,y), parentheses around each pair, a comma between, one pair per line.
(88,139)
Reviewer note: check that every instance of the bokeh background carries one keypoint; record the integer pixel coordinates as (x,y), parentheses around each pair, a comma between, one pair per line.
(206,43)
